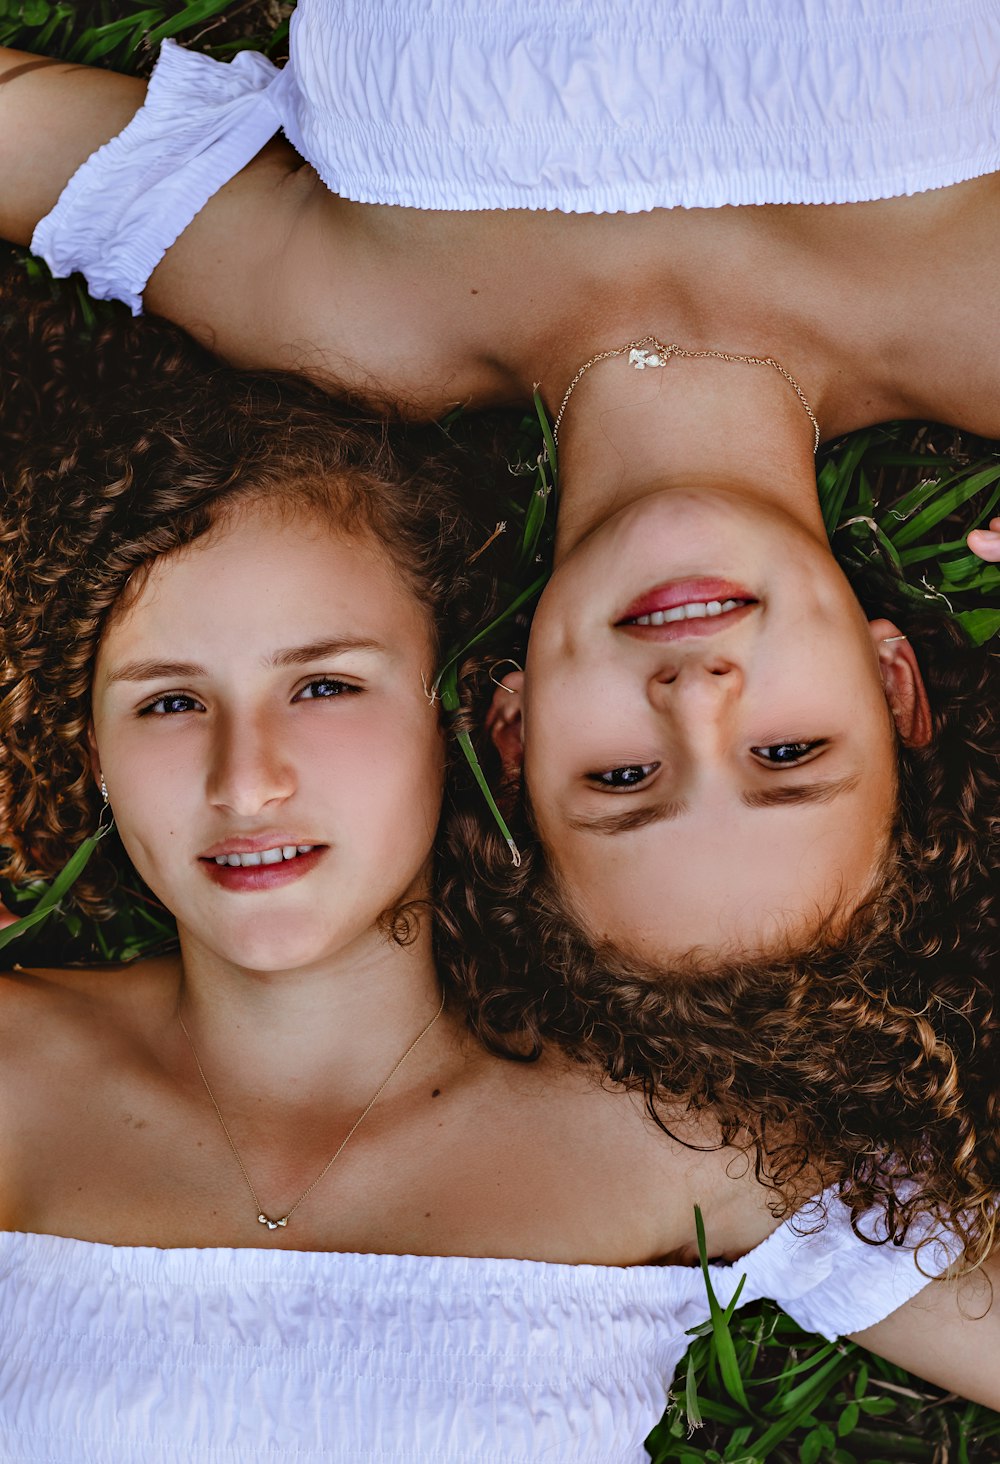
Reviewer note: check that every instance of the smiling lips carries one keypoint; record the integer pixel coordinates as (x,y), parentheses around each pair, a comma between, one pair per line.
(259,864)
(690,607)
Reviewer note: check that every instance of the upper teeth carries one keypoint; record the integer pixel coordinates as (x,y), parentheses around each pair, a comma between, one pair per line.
(693,610)
(265,856)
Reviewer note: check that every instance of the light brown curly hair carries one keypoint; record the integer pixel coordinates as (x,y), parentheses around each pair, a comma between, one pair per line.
(868,1058)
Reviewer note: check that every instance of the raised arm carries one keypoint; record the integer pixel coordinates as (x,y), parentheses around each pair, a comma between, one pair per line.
(196,196)
(52,117)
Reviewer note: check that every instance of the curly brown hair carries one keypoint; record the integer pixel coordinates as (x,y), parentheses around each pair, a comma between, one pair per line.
(867,1059)
(122,446)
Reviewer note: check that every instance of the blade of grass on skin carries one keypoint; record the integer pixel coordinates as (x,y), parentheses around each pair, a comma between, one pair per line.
(548,439)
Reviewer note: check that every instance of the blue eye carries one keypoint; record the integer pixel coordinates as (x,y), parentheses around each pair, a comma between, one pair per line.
(630,776)
(785,754)
(171,703)
(324,687)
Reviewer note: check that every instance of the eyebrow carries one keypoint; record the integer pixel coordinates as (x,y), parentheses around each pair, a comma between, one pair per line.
(632,818)
(292,656)
(824,792)
(640,818)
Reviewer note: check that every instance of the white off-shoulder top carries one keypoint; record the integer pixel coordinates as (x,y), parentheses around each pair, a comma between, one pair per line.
(586,106)
(120,1355)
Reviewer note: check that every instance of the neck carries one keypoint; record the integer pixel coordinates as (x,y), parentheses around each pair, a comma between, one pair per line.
(311,1031)
(627,434)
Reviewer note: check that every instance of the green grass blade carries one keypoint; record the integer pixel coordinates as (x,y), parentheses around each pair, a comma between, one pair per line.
(60,886)
(946,502)
(192,15)
(725,1348)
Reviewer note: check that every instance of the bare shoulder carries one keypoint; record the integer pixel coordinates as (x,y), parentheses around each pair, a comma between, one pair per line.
(45,1013)
(655,1172)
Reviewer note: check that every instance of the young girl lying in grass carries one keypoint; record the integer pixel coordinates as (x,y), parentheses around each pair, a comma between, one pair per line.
(271,1186)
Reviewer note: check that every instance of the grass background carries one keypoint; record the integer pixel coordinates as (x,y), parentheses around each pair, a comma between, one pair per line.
(753,1387)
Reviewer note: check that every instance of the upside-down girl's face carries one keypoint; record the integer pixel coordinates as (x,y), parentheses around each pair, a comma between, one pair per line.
(273,763)
(708,745)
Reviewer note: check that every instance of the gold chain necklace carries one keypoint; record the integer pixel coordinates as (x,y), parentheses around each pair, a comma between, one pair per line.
(262,1218)
(651,352)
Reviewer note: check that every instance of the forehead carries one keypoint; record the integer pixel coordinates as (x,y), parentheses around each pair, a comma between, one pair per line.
(265,574)
(739,879)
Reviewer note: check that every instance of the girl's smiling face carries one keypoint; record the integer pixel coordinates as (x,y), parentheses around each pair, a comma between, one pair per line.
(723,782)
(260,695)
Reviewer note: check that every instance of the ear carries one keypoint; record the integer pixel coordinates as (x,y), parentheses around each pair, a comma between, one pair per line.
(503,721)
(903,683)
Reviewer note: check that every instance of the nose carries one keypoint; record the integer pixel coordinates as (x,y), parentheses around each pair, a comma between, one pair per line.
(249,770)
(712,679)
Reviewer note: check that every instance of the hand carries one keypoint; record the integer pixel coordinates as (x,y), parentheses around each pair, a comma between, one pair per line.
(986,542)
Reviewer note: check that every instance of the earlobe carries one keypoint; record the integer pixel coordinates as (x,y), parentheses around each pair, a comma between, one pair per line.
(503,722)
(903,684)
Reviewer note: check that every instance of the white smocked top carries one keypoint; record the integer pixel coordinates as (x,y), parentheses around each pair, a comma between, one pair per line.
(588,106)
(115,1354)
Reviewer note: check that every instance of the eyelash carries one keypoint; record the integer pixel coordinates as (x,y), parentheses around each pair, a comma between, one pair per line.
(342,688)
(192,703)
(803,751)
(646,770)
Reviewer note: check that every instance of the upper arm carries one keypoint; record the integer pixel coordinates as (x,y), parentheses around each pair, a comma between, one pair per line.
(52,117)
(949,1333)
(246,277)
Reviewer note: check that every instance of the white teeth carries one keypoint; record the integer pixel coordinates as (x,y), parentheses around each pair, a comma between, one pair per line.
(694,610)
(265,856)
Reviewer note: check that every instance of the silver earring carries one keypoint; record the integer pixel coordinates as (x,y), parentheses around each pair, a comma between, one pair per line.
(887,638)
(104,789)
(506,661)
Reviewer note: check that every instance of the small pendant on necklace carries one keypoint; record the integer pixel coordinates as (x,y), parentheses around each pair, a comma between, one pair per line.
(641,359)
(271,1224)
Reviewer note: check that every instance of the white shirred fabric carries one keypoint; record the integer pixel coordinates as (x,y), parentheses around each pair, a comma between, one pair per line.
(121,211)
(204,1356)
(586,106)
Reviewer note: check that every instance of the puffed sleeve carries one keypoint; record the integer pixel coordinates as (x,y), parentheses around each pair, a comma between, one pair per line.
(202,121)
(830,1280)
